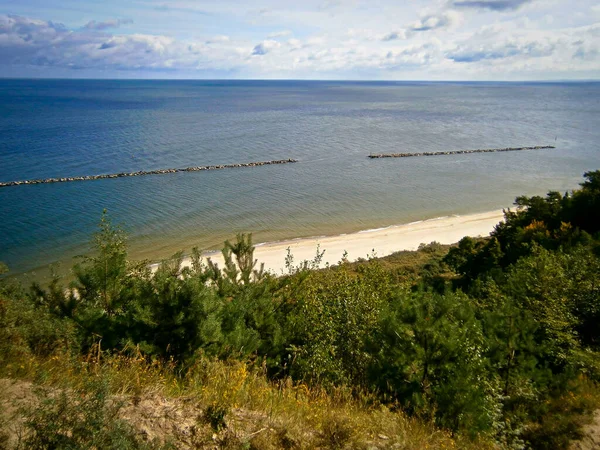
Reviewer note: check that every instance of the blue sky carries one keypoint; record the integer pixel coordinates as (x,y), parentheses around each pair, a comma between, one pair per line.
(309,39)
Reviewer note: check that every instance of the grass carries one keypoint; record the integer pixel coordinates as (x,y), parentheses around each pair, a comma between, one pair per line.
(136,402)
(565,417)
(230,405)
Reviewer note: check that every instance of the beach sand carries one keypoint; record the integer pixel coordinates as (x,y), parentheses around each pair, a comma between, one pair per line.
(380,242)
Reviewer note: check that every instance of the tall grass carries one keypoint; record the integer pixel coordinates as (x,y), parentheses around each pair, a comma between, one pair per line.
(235,405)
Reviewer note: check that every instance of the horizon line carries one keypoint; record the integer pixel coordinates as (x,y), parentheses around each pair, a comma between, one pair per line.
(353,80)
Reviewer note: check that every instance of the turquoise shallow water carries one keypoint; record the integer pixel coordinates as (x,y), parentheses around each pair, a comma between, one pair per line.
(51,128)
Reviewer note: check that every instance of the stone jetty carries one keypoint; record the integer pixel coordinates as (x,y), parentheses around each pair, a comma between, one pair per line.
(145,172)
(459,152)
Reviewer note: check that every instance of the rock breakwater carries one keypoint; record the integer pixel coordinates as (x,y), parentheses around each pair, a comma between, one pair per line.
(145,172)
(459,152)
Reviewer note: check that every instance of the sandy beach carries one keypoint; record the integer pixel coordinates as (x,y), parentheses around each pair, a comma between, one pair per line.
(381,242)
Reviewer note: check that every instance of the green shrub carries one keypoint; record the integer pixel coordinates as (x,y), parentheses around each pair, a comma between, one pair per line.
(83,419)
(214,415)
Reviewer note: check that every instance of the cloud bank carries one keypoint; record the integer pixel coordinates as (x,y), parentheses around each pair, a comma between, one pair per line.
(494,5)
(112,23)
(442,40)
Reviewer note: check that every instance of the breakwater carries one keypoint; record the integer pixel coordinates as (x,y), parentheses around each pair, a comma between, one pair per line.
(459,152)
(145,172)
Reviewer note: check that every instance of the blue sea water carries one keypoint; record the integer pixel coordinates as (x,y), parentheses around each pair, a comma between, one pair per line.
(54,128)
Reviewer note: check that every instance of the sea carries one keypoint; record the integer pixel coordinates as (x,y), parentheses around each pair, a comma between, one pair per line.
(62,128)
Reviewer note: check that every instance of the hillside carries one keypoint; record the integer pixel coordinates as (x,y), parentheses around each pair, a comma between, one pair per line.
(491,343)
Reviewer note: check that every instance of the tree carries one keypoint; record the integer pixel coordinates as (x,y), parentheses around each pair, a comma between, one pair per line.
(102,280)
(429,357)
(176,313)
(335,315)
(239,271)
(105,285)
(584,210)
(542,285)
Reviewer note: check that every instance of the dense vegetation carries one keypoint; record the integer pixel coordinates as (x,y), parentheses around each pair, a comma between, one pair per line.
(494,340)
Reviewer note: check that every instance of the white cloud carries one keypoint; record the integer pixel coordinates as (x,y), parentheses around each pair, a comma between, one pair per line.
(425,23)
(531,49)
(107,24)
(433,21)
(494,5)
(294,43)
(28,42)
(219,39)
(394,35)
(279,34)
(392,40)
(265,47)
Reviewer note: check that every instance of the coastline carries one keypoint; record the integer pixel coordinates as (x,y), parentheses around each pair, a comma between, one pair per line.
(380,242)
(383,241)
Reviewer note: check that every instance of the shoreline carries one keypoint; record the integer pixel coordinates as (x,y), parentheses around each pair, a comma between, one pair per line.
(385,240)
(362,244)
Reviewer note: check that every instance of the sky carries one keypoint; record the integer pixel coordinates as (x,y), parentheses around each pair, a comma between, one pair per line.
(504,40)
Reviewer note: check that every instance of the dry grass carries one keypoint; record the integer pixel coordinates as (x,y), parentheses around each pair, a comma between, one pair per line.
(172,405)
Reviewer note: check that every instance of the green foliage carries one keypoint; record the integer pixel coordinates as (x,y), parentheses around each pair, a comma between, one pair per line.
(30,328)
(239,267)
(512,350)
(583,268)
(55,299)
(559,291)
(81,420)
(27,328)
(179,314)
(430,359)
(541,284)
(102,280)
(304,266)
(251,323)
(562,416)
(214,415)
(334,316)
(584,208)
(475,256)
(104,288)
(494,353)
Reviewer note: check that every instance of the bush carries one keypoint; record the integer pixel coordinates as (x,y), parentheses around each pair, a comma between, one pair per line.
(214,415)
(29,330)
(78,420)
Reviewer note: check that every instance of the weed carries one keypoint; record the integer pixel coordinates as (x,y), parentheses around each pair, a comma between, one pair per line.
(336,432)
(214,415)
